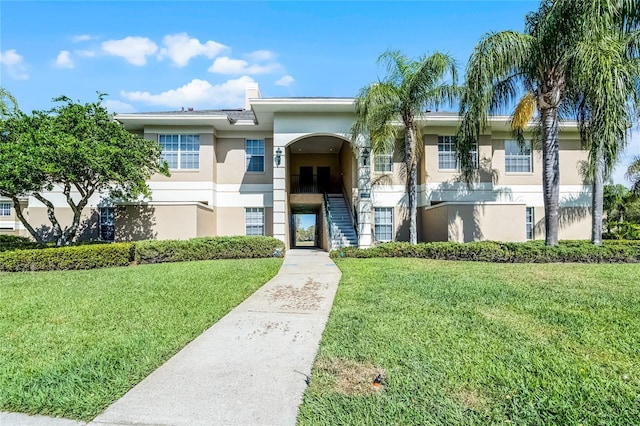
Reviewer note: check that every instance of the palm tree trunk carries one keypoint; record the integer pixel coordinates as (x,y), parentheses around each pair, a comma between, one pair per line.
(412,183)
(550,174)
(597,200)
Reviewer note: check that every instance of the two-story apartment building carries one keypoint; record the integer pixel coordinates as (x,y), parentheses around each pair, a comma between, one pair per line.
(250,171)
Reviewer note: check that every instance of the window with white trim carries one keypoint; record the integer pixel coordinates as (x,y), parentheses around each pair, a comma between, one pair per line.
(5,209)
(254,220)
(517,157)
(254,151)
(383,223)
(107,223)
(529,222)
(447,155)
(383,163)
(181,151)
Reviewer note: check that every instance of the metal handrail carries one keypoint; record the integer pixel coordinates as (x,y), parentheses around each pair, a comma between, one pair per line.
(328,219)
(352,216)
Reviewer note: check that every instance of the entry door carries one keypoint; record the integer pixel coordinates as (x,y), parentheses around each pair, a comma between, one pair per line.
(306,180)
(324,179)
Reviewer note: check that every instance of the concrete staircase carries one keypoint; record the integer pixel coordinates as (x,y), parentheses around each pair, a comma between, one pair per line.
(342,232)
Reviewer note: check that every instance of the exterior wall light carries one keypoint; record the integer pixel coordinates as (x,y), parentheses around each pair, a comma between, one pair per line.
(278,157)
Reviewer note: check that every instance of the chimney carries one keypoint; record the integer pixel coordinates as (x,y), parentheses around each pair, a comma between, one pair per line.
(251,91)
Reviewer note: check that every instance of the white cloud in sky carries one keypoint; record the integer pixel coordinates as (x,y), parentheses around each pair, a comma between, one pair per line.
(64,59)
(134,49)
(632,151)
(196,93)
(285,81)
(227,65)
(261,55)
(82,37)
(180,48)
(86,53)
(13,63)
(113,105)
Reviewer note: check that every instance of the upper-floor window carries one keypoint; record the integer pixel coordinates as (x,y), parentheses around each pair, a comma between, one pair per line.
(517,157)
(181,151)
(254,149)
(447,155)
(5,209)
(383,163)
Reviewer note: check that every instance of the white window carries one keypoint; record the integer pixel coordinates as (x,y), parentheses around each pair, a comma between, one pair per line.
(180,151)
(447,156)
(529,222)
(383,163)
(254,149)
(107,223)
(5,209)
(517,157)
(383,223)
(254,220)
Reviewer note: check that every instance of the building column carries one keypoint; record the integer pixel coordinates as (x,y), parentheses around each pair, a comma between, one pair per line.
(280,191)
(364,195)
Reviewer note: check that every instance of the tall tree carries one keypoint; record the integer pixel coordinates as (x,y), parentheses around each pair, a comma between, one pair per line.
(78,150)
(410,87)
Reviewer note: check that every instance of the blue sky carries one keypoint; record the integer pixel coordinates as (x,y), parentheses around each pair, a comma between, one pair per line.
(161,55)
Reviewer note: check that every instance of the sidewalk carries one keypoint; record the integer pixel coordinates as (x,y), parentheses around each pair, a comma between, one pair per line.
(249,368)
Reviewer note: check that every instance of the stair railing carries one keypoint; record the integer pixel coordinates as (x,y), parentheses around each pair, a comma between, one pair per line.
(328,220)
(354,222)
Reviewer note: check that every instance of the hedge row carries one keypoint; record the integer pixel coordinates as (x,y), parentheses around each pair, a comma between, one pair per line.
(490,251)
(13,242)
(123,254)
(155,251)
(66,258)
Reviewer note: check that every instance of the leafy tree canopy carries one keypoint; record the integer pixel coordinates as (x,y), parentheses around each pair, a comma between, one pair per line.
(76,149)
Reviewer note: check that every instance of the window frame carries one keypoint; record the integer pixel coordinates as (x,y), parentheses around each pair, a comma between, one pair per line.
(249,156)
(377,225)
(181,153)
(529,223)
(104,216)
(385,160)
(5,208)
(251,225)
(449,141)
(517,157)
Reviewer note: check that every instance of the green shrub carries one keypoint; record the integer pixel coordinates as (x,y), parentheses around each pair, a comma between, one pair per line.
(66,258)
(208,248)
(13,242)
(623,231)
(503,252)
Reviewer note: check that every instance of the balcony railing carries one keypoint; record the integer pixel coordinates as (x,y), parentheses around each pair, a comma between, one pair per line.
(309,184)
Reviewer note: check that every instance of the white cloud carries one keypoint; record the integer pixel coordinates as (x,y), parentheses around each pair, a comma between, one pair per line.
(118,106)
(285,81)
(630,154)
(261,55)
(226,65)
(180,48)
(83,37)
(86,53)
(197,93)
(134,49)
(64,59)
(14,64)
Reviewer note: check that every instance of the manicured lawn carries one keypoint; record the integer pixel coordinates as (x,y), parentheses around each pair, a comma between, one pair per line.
(73,342)
(462,343)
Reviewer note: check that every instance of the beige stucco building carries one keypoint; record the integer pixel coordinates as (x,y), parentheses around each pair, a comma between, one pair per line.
(251,170)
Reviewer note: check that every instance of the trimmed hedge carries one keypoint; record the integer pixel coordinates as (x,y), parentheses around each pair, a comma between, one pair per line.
(13,242)
(208,248)
(67,258)
(491,251)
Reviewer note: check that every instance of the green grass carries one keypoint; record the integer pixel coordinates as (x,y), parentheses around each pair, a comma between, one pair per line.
(73,342)
(463,343)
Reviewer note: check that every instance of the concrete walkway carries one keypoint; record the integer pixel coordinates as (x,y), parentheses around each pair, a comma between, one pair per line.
(249,368)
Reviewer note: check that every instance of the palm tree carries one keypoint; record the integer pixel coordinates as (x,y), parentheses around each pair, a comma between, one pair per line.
(387,110)
(547,63)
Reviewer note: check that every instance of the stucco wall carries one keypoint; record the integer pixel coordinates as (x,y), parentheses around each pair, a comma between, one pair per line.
(231,162)
(206,161)
(206,226)
(231,221)
(89,222)
(434,224)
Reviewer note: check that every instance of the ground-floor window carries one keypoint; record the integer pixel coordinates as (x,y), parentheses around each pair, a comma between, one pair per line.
(529,223)
(5,209)
(383,223)
(107,223)
(254,220)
